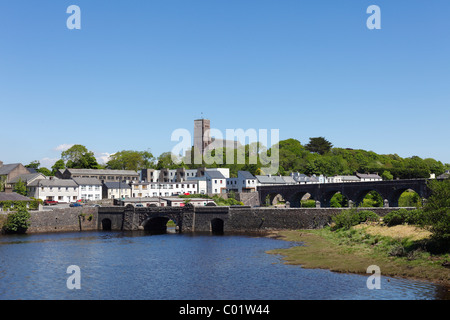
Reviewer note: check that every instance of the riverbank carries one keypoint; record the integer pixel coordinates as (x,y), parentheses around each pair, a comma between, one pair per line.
(352,251)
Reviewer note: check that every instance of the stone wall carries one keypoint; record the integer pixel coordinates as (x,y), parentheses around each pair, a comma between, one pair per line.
(64,220)
(235,218)
(248,198)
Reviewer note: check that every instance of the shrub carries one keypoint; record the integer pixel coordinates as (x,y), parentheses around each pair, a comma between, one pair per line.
(348,218)
(403,216)
(17,222)
(437,209)
(397,250)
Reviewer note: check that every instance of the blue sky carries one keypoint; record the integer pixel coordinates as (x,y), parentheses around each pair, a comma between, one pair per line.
(138,70)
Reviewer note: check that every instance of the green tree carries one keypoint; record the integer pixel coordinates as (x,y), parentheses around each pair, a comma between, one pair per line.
(437,209)
(79,157)
(33,164)
(165,160)
(319,145)
(44,171)
(17,222)
(130,160)
(60,164)
(74,153)
(387,175)
(21,188)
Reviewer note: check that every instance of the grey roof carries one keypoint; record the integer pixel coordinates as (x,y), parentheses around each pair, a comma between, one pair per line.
(214,174)
(368,175)
(350,178)
(271,179)
(444,176)
(12,196)
(87,181)
(53,183)
(288,179)
(175,198)
(26,177)
(7,168)
(103,172)
(116,185)
(196,178)
(246,175)
(300,177)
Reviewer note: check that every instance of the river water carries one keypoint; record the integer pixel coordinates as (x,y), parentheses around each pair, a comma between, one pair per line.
(138,266)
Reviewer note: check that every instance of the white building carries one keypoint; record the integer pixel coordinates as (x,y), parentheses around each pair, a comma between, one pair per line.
(245,182)
(89,188)
(202,185)
(163,189)
(181,202)
(216,182)
(116,190)
(61,190)
(363,177)
(343,179)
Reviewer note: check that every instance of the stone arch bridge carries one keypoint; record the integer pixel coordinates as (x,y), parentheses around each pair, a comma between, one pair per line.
(154,219)
(355,192)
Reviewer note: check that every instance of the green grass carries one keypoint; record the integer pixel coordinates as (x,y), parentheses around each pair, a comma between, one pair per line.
(354,250)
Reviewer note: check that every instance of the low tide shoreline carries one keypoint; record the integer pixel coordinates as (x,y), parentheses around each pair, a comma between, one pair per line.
(321,250)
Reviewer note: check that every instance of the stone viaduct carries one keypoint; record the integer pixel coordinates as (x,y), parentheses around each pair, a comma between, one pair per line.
(355,192)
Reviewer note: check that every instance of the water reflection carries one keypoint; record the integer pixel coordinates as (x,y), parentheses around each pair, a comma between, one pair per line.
(137,265)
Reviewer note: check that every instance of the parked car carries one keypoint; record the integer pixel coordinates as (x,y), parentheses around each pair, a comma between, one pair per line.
(139,205)
(50,202)
(75,204)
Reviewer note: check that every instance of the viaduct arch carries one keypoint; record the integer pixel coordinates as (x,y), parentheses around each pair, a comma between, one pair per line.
(355,192)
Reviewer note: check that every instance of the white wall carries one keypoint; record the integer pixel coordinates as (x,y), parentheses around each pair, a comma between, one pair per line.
(90,192)
(60,194)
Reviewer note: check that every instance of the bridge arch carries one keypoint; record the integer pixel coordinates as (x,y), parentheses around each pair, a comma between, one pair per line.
(295,200)
(156,225)
(396,194)
(336,199)
(274,198)
(217,226)
(106,224)
(361,195)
